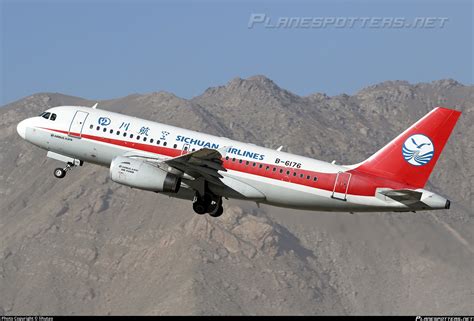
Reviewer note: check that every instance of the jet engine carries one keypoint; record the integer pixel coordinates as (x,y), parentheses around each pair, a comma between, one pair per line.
(139,174)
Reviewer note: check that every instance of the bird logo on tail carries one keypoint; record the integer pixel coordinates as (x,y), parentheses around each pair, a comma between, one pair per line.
(418,150)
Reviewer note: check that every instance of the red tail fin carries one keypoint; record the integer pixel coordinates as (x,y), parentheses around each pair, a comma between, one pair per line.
(411,157)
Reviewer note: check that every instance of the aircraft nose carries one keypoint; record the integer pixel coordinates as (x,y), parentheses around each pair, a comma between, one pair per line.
(21,128)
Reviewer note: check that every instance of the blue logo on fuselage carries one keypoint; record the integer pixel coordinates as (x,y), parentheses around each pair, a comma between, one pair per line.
(104,121)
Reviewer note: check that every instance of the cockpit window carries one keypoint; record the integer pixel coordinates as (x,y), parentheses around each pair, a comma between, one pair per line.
(46,115)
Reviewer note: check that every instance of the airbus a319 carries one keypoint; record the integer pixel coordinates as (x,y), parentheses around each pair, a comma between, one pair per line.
(204,169)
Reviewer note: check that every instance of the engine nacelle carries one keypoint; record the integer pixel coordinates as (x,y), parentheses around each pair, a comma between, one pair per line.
(138,174)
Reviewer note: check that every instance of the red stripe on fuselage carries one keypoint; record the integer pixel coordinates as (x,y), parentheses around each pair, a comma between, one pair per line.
(361,184)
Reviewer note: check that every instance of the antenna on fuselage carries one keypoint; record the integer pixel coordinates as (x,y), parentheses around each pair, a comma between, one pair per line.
(95,106)
(279,148)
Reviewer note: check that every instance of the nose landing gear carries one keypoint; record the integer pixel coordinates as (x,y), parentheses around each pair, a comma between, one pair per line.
(61,172)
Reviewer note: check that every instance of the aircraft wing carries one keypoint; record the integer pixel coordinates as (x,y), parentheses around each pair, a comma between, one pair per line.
(202,163)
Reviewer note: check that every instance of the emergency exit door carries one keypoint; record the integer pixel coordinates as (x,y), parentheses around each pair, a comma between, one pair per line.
(341,185)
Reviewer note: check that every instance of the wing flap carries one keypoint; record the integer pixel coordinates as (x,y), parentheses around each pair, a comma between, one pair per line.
(202,163)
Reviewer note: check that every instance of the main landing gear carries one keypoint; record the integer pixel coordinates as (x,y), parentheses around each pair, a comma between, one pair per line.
(210,204)
(61,172)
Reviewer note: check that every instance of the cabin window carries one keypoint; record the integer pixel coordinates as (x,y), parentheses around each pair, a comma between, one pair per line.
(138,137)
(254,164)
(174,146)
(240,161)
(98,128)
(118,132)
(125,134)
(151,141)
(294,173)
(131,135)
(227,158)
(111,131)
(315,178)
(268,167)
(274,169)
(144,139)
(287,172)
(260,166)
(165,143)
(301,175)
(158,142)
(233,159)
(247,163)
(193,149)
(105,129)
(281,170)
(91,126)
(308,177)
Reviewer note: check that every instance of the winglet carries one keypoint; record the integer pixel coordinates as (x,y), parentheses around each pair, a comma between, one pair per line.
(95,106)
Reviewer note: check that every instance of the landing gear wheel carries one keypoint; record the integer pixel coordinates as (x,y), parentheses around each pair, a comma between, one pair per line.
(59,173)
(201,204)
(218,212)
(215,206)
(199,208)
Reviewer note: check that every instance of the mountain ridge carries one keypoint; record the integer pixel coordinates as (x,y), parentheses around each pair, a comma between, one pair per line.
(86,245)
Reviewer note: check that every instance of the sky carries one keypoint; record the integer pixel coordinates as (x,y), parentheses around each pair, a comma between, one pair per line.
(108,49)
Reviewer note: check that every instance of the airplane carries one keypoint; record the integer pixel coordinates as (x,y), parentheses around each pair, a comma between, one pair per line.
(204,168)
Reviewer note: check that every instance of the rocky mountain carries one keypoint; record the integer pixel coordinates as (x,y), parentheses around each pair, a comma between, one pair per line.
(86,245)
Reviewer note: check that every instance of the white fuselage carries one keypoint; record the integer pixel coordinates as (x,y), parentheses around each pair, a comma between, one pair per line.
(259,174)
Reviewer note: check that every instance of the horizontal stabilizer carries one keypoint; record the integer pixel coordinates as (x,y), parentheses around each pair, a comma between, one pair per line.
(401,195)
(408,197)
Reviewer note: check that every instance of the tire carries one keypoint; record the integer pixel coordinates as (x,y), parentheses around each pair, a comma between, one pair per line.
(59,173)
(199,207)
(214,204)
(218,212)
(213,207)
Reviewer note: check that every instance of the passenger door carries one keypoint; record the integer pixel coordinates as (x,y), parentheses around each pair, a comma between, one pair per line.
(77,123)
